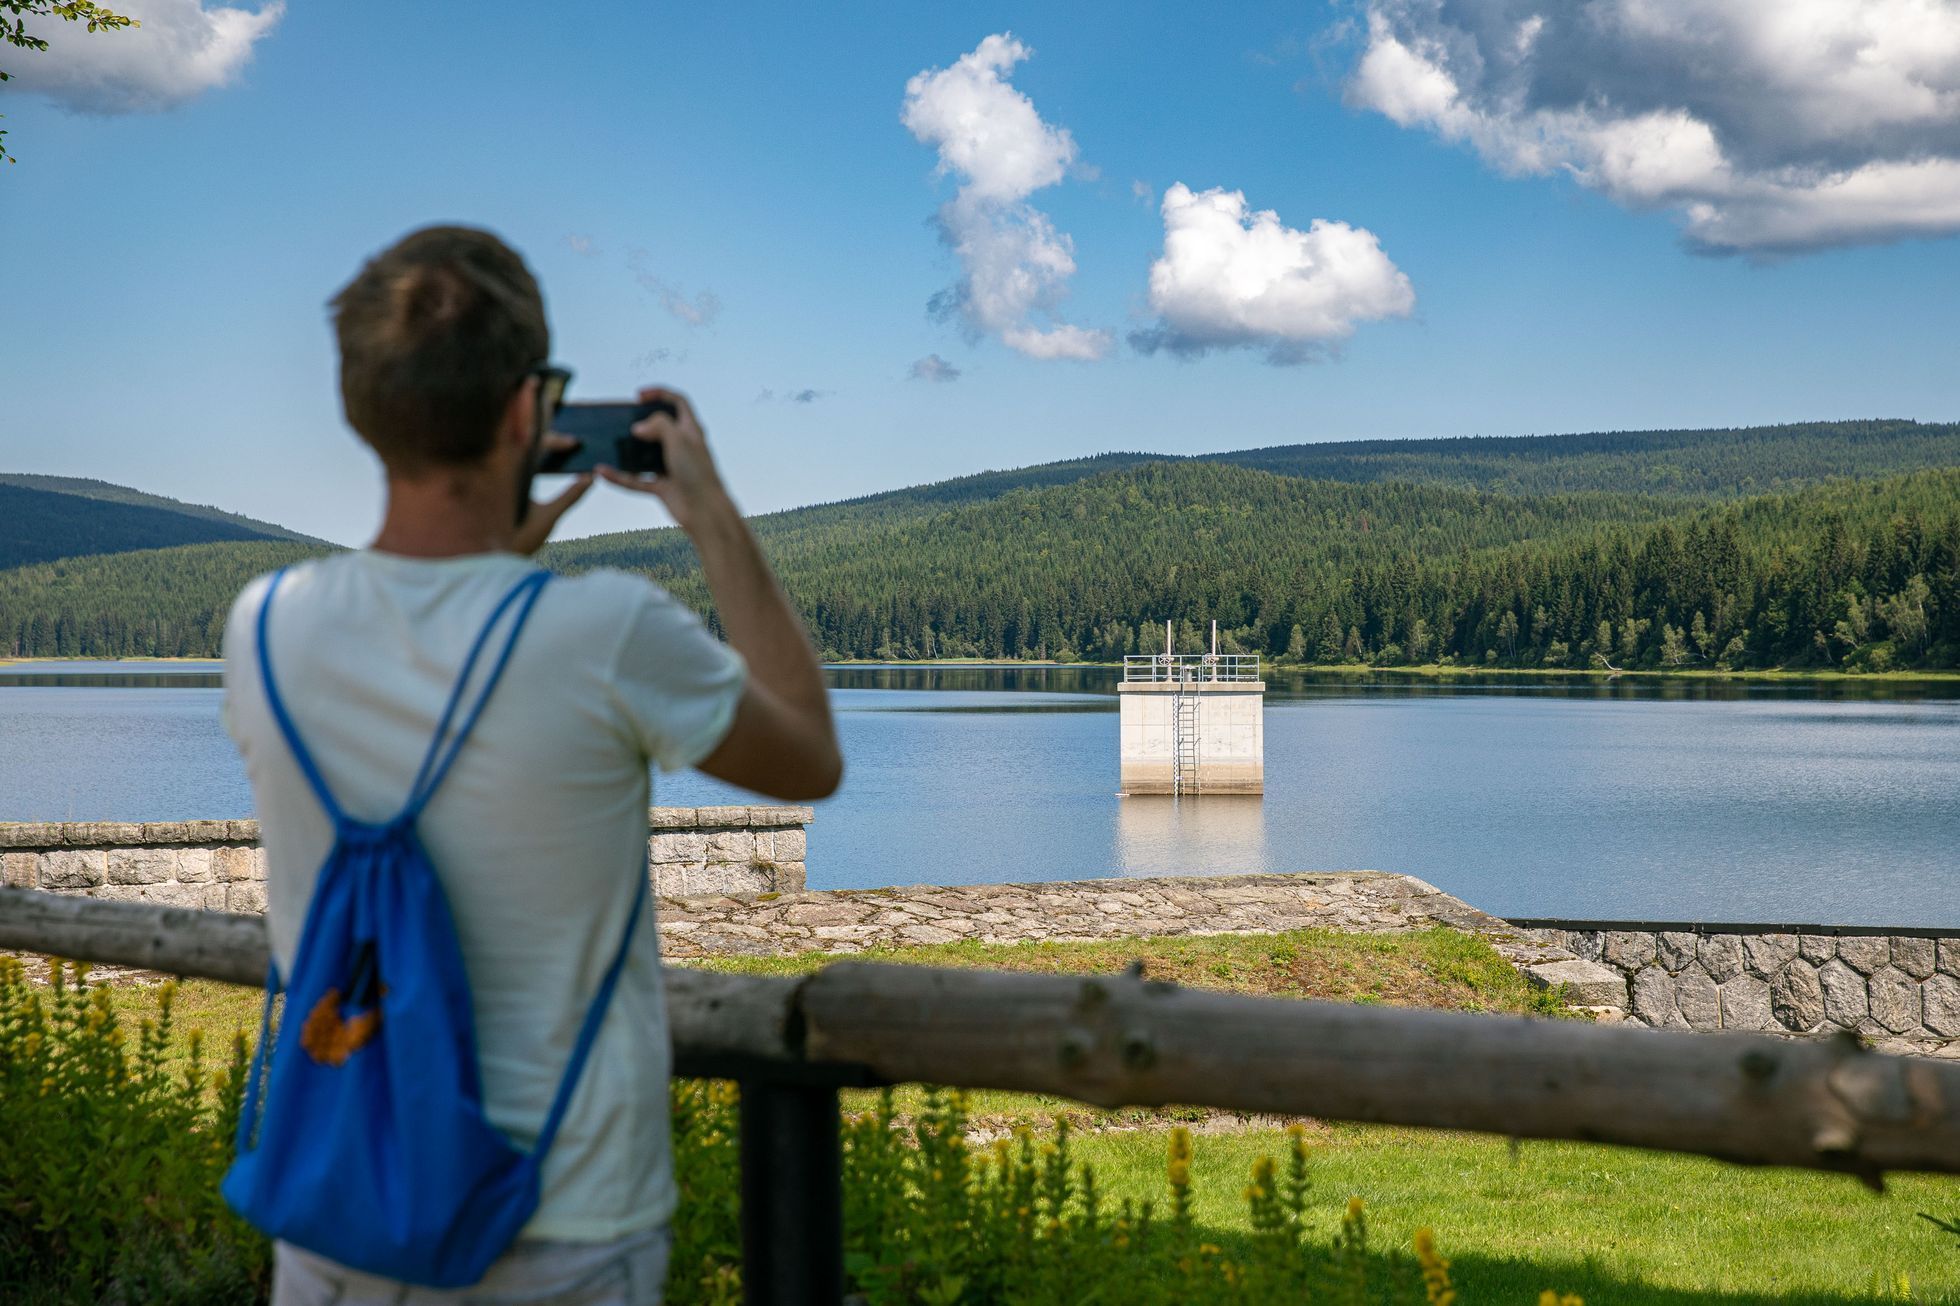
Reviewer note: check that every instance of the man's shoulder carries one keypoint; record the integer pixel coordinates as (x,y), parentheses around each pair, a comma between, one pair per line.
(250,598)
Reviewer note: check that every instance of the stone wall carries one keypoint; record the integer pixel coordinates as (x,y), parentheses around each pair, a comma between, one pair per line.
(1889,985)
(219,866)
(854,920)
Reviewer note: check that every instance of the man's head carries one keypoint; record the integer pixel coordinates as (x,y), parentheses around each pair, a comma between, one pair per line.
(436,335)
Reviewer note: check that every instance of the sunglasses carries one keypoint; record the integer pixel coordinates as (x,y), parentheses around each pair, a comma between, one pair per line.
(553,381)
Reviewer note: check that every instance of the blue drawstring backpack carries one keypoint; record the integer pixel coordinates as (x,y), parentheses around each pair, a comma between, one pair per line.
(363,1136)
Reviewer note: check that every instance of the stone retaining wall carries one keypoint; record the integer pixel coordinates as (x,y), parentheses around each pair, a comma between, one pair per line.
(219,866)
(1886,984)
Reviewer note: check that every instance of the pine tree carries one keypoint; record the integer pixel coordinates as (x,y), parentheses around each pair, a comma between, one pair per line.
(1329,651)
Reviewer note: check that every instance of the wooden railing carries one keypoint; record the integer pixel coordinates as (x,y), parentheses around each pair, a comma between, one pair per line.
(1130,1041)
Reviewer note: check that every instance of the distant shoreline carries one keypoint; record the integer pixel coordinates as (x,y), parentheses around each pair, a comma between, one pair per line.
(38,661)
(1427,671)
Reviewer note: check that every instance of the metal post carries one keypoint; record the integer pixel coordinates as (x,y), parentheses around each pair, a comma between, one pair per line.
(792,1194)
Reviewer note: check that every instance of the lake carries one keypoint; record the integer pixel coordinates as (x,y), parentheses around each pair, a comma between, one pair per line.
(1834,802)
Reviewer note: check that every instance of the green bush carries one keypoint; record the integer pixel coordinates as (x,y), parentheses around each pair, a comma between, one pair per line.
(109,1192)
(109,1173)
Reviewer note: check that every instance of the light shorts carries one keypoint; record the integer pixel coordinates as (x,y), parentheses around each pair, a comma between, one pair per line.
(627,1271)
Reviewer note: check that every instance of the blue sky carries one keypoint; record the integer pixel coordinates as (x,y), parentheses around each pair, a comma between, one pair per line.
(166,269)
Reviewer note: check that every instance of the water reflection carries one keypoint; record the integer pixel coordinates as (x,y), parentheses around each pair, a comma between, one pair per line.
(975,677)
(1223,834)
(1388,683)
(65,679)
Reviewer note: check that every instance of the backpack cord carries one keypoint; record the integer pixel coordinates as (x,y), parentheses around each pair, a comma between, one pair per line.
(436,760)
(432,771)
(588,1032)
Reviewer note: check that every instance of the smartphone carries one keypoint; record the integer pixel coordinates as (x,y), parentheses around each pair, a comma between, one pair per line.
(605,435)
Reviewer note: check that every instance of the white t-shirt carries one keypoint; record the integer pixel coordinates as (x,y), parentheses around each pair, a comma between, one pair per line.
(539,833)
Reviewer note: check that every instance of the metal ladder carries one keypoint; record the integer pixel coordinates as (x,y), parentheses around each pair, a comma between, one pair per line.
(1184,738)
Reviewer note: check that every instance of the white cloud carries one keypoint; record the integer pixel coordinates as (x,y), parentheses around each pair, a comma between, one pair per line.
(1229,278)
(181,50)
(933,368)
(983,128)
(1769,128)
(583,246)
(1015,266)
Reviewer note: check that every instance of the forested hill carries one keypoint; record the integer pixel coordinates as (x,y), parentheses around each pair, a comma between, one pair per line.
(1861,574)
(1855,573)
(43,518)
(1399,553)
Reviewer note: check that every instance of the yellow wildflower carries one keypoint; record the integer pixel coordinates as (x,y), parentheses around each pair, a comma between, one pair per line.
(1435,1270)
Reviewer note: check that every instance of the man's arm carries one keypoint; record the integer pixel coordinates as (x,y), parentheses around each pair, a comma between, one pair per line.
(782,742)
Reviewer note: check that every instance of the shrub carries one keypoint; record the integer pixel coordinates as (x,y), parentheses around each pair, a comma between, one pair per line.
(109,1175)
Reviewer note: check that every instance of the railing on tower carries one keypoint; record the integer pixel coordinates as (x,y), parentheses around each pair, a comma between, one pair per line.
(1191,668)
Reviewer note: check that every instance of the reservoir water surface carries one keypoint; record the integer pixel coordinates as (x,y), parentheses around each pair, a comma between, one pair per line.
(1833,802)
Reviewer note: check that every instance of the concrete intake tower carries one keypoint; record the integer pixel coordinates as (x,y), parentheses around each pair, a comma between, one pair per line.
(1193,723)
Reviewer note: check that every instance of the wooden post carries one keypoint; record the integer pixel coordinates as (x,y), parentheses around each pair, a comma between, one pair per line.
(792,1194)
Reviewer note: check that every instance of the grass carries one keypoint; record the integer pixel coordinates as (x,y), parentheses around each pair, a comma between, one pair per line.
(1610,1224)
(1437,967)
(1613,1225)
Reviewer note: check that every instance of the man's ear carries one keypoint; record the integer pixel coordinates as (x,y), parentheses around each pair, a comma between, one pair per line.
(521,416)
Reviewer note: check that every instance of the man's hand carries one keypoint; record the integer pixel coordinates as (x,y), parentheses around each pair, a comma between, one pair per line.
(537,525)
(690,485)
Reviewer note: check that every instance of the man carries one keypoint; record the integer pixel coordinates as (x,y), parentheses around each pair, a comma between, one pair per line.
(539,831)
